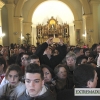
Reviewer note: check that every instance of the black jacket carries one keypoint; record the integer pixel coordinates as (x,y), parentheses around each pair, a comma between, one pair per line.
(98,74)
(55,60)
(70,78)
(46,96)
(69,95)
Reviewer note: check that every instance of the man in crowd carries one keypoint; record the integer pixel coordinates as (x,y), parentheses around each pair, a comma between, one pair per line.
(44,52)
(85,76)
(35,88)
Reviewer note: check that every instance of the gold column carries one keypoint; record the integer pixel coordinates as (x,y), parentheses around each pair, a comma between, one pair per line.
(1,39)
(10,7)
(95,5)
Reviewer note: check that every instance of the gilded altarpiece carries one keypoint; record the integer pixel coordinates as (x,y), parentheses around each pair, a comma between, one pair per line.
(52,29)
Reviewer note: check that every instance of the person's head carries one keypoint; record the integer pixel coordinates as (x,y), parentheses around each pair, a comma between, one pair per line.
(33,49)
(98,48)
(94,47)
(0,47)
(24,59)
(13,74)
(16,51)
(22,49)
(48,50)
(91,58)
(48,73)
(4,51)
(60,71)
(81,60)
(78,51)
(71,60)
(34,59)
(11,52)
(2,65)
(55,52)
(86,52)
(85,75)
(34,79)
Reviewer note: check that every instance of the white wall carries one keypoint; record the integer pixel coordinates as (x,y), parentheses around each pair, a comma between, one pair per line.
(57,9)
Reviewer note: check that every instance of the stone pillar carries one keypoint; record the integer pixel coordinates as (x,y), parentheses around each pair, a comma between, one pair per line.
(78,31)
(1,38)
(33,35)
(88,29)
(72,38)
(27,28)
(17,28)
(95,5)
(21,30)
(10,7)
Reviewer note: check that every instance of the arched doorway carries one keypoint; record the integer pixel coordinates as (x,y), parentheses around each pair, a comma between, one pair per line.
(59,11)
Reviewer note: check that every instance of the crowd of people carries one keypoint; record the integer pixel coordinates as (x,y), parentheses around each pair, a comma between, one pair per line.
(50,71)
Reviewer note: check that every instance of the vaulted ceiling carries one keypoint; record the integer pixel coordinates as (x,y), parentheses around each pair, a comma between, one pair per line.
(26,8)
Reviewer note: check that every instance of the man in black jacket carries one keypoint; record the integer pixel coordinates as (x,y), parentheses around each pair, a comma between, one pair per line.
(44,52)
(34,82)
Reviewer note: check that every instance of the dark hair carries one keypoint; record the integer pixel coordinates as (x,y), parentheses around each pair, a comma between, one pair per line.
(34,57)
(85,49)
(14,67)
(23,48)
(94,47)
(51,71)
(80,58)
(34,68)
(56,70)
(82,74)
(2,61)
(77,49)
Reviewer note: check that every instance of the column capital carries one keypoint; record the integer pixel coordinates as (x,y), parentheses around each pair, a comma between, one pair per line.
(27,23)
(87,16)
(78,24)
(1,4)
(77,21)
(21,18)
(97,2)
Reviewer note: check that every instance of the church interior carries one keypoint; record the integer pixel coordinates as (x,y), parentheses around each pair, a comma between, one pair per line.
(77,22)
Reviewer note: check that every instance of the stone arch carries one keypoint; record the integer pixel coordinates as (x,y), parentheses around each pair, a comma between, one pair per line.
(19,6)
(86,6)
(29,17)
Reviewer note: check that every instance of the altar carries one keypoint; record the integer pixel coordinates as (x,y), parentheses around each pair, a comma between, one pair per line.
(52,29)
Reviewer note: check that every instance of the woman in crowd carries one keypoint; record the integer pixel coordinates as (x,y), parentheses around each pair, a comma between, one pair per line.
(2,68)
(48,77)
(61,77)
(15,87)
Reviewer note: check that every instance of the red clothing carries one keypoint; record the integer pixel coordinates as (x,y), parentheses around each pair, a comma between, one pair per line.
(1,77)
